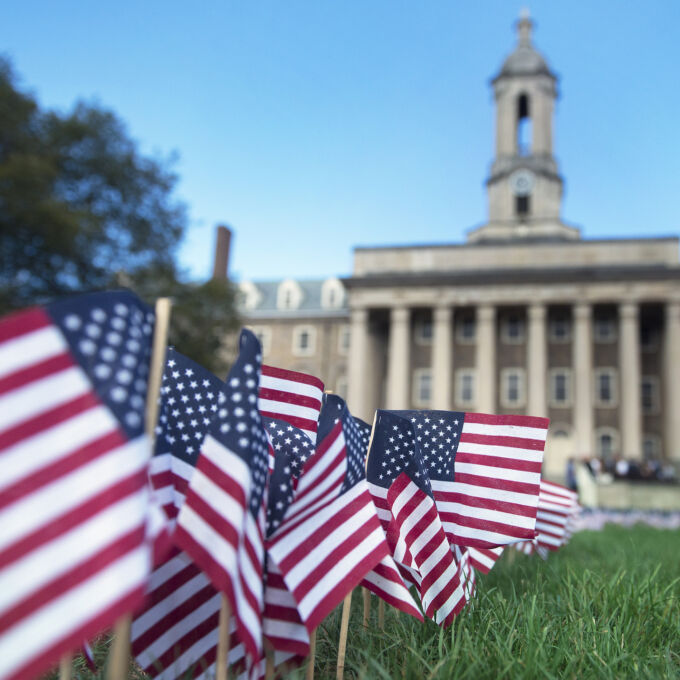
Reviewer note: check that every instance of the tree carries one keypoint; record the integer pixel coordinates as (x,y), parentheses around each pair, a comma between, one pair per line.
(82,209)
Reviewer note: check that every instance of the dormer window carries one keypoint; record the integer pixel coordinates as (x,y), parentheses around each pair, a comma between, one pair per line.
(289,295)
(332,294)
(249,295)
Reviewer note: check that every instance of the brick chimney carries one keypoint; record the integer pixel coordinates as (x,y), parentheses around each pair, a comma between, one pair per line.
(222,244)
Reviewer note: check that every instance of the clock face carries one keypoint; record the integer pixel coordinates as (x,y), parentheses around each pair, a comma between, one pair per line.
(522,182)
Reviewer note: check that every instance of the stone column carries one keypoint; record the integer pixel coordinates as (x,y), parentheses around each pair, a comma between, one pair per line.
(583,380)
(357,388)
(441,358)
(537,361)
(630,401)
(485,359)
(671,382)
(399,359)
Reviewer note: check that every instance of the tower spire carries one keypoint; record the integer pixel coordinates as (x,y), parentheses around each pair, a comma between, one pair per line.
(524,27)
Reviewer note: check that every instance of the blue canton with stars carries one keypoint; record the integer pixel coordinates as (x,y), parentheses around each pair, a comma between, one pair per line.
(189,399)
(109,336)
(421,443)
(238,424)
(292,447)
(333,411)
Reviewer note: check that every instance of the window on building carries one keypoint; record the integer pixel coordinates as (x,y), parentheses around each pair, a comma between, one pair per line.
(423,330)
(604,329)
(560,387)
(289,295)
(466,329)
(606,440)
(304,340)
(606,387)
(465,387)
(512,387)
(649,393)
(559,329)
(523,125)
(522,205)
(651,447)
(422,387)
(343,339)
(513,329)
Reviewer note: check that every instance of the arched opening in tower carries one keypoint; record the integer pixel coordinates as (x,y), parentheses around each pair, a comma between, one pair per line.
(523,125)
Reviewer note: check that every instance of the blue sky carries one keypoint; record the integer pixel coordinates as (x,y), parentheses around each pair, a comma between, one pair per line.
(312,127)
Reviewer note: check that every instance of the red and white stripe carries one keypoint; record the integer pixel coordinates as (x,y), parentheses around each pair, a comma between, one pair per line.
(494,497)
(292,397)
(73,499)
(483,559)
(415,516)
(556,504)
(221,535)
(327,542)
(170,477)
(386,581)
(281,622)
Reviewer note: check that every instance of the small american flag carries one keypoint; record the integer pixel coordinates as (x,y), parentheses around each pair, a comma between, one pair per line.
(400,484)
(282,624)
(222,522)
(176,633)
(485,472)
(291,396)
(331,535)
(73,491)
(556,505)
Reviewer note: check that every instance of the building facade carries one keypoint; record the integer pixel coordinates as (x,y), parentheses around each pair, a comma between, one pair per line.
(526,316)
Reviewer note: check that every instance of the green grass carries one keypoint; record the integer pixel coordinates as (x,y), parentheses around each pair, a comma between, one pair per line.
(605,606)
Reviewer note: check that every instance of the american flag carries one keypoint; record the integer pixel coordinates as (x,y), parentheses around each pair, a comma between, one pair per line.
(177,630)
(556,505)
(282,624)
(385,579)
(485,472)
(221,523)
(190,398)
(400,484)
(331,535)
(73,491)
(291,396)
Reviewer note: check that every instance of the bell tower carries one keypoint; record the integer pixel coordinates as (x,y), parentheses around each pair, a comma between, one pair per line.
(524,186)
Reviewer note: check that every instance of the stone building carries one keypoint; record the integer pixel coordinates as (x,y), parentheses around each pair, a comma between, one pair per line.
(526,316)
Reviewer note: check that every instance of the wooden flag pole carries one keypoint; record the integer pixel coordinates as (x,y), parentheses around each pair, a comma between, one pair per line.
(309,675)
(119,655)
(269,671)
(381,614)
(65,666)
(367,606)
(223,641)
(342,644)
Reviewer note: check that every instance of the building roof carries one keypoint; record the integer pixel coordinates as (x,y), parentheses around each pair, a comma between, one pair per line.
(263,299)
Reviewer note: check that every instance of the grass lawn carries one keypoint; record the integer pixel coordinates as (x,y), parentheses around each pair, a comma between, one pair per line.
(605,606)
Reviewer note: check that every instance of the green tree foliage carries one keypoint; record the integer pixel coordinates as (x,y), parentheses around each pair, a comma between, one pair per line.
(82,209)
